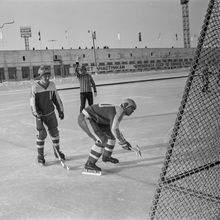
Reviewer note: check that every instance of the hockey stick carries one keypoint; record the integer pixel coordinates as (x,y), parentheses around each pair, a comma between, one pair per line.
(61,161)
(137,150)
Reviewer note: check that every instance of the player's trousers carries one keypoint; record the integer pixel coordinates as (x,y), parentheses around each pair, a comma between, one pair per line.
(50,121)
(85,96)
(100,133)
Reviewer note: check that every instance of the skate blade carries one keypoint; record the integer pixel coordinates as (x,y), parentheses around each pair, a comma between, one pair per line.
(92,172)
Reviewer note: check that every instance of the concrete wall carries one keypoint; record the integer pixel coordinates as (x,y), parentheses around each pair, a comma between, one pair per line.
(23,64)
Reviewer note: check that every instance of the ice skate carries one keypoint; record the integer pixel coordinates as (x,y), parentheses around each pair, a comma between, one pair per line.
(41,160)
(92,169)
(40,156)
(110,159)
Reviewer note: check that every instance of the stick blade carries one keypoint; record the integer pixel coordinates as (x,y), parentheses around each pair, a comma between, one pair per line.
(137,150)
(64,165)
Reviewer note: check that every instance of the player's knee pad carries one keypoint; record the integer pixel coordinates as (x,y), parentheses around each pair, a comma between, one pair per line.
(103,139)
(42,134)
(99,143)
(54,132)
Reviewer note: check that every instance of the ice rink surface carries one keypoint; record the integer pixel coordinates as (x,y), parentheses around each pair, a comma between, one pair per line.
(125,191)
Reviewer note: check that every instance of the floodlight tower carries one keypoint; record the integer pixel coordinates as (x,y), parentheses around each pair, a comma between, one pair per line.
(186,31)
(26,33)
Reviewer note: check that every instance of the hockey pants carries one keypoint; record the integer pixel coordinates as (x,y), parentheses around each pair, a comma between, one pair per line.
(51,123)
(101,134)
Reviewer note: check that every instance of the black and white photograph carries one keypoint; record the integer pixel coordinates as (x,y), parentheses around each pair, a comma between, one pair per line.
(109,109)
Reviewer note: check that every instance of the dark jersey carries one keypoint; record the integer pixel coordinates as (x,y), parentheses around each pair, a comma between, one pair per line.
(106,114)
(42,99)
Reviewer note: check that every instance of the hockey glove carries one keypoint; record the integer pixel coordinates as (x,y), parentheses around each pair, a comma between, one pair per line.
(37,114)
(126,145)
(61,115)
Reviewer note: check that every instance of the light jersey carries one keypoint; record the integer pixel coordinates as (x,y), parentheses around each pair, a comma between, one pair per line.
(43,99)
(86,81)
(107,114)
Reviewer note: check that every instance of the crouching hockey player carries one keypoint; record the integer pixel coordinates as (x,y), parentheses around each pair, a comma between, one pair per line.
(101,123)
(44,97)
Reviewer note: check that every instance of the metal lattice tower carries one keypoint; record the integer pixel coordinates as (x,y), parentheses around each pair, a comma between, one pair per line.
(26,42)
(26,33)
(186,31)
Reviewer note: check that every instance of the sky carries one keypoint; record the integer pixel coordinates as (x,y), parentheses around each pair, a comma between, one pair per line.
(66,23)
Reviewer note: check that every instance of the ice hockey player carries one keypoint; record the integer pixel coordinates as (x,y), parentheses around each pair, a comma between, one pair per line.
(86,81)
(44,98)
(101,123)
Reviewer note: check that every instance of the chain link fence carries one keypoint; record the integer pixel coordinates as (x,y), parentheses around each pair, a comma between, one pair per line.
(189,184)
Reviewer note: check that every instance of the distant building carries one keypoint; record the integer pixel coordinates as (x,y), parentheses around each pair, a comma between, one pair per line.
(24,64)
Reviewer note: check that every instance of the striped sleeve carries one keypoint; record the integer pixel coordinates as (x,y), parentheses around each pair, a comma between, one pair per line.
(115,125)
(57,100)
(93,83)
(77,72)
(33,101)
